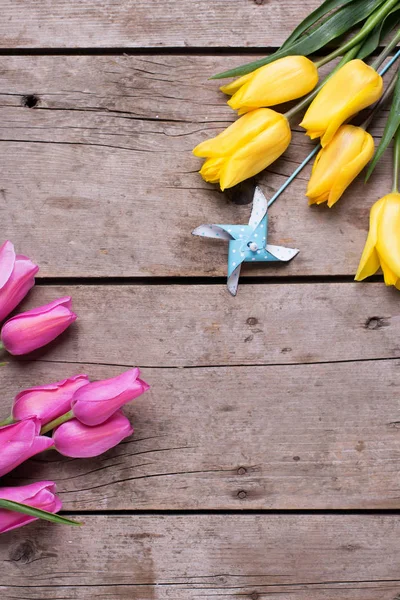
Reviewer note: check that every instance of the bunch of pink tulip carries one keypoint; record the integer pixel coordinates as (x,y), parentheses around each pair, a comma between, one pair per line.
(85,417)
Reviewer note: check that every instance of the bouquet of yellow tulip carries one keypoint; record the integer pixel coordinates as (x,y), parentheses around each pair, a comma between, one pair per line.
(261,134)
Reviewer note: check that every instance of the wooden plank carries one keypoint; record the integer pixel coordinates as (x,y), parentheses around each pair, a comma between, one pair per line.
(140,23)
(331,557)
(102,170)
(320,436)
(202,325)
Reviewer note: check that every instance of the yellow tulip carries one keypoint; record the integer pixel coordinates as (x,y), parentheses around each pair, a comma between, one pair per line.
(245,148)
(339,163)
(354,87)
(382,248)
(283,80)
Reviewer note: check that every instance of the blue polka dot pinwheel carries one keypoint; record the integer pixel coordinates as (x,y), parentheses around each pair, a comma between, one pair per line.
(247,243)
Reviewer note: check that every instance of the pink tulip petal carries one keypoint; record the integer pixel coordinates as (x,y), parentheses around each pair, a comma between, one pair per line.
(96,402)
(20,441)
(21,280)
(7,260)
(80,441)
(47,402)
(38,495)
(36,328)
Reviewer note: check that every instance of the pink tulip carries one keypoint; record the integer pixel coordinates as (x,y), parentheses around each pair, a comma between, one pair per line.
(38,495)
(20,441)
(47,402)
(96,402)
(77,440)
(37,327)
(17,277)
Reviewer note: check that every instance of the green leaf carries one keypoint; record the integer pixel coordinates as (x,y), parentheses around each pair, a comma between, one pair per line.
(336,25)
(36,512)
(379,33)
(391,127)
(316,15)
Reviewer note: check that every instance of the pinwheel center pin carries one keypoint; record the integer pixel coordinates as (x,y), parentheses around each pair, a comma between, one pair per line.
(253,246)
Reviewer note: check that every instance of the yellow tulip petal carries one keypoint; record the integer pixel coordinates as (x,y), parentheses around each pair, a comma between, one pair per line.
(231,88)
(256,155)
(211,169)
(388,244)
(244,109)
(236,135)
(354,87)
(349,172)
(344,148)
(370,94)
(283,80)
(388,275)
(318,199)
(369,262)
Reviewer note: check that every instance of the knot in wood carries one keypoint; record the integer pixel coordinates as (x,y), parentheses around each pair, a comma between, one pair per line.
(23,553)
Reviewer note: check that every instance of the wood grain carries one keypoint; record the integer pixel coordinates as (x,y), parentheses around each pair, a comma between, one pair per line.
(101,169)
(202,325)
(331,557)
(149,23)
(281,437)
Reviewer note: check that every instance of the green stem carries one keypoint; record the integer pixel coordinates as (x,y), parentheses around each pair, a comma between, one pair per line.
(396,161)
(386,51)
(63,419)
(38,513)
(308,99)
(2,346)
(7,421)
(368,26)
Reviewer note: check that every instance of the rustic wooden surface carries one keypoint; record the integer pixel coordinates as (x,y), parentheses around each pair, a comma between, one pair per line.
(139,118)
(149,23)
(318,557)
(284,398)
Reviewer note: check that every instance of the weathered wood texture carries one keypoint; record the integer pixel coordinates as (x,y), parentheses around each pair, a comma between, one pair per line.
(102,174)
(148,23)
(317,557)
(202,325)
(289,436)
(282,437)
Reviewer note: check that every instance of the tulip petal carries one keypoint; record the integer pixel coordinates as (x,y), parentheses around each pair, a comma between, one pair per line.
(352,88)
(283,80)
(231,88)
(238,134)
(339,163)
(388,244)
(47,402)
(258,153)
(40,495)
(350,171)
(77,440)
(211,169)
(369,262)
(7,260)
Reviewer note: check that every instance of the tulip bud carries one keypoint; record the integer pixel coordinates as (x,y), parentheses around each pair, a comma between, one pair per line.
(352,88)
(37,327)
(17,277)
(382,248)
(20,441)
(283,80)
(245,148)
(96,402)
(38,495)
(77,440)
(47,402)
(339,163)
